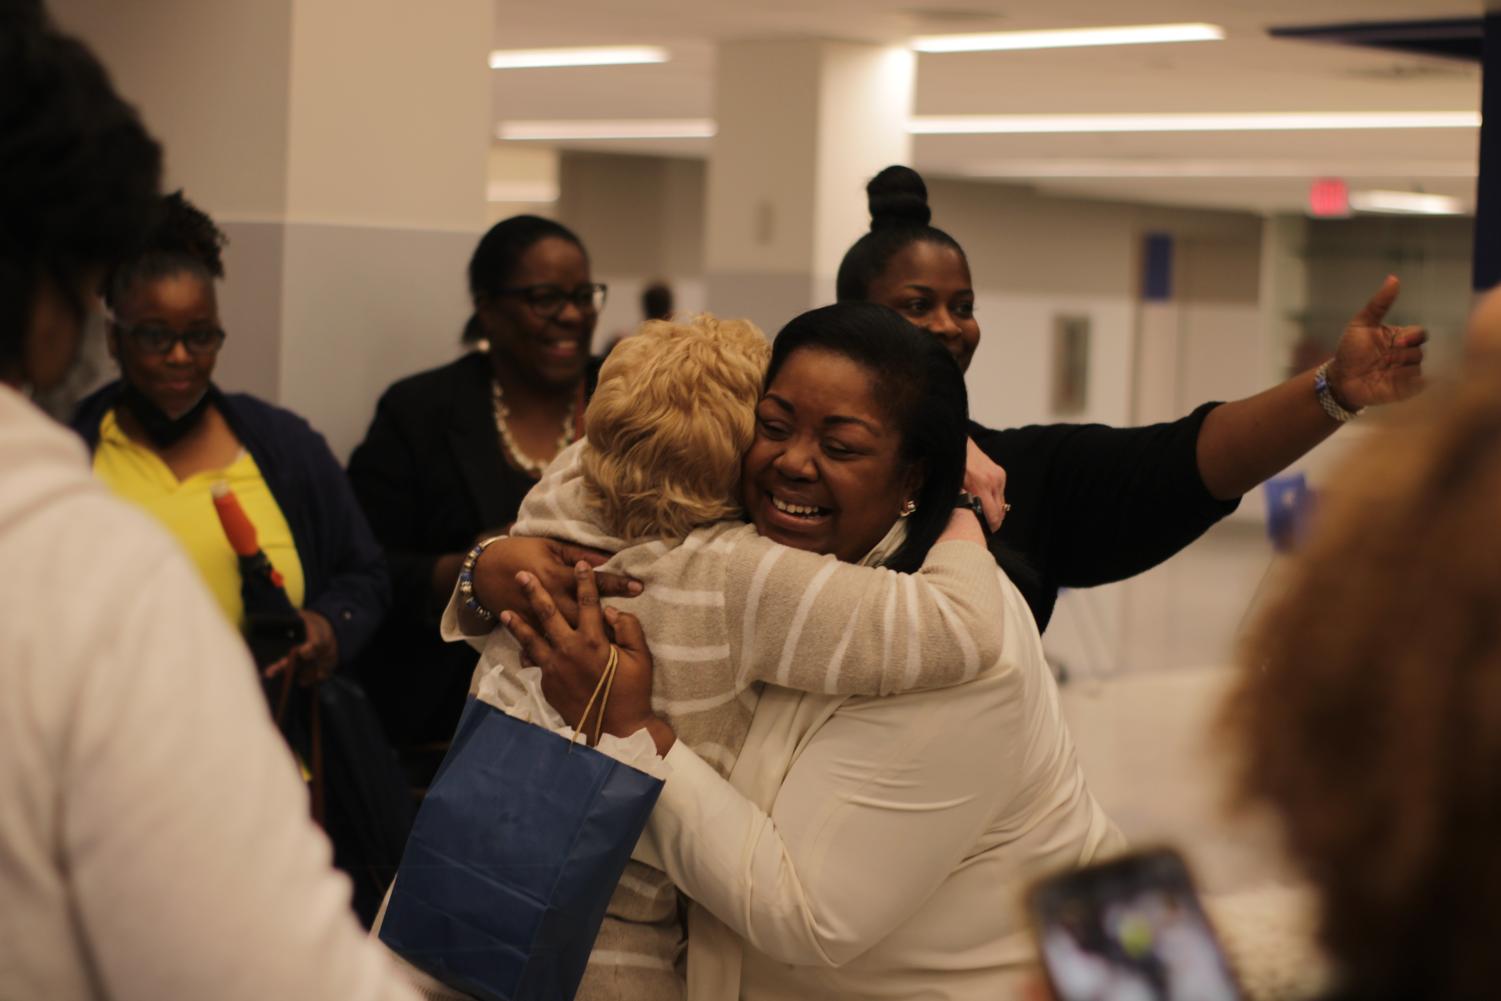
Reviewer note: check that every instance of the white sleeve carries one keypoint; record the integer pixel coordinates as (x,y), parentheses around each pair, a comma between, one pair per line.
(832,870)
(196,871)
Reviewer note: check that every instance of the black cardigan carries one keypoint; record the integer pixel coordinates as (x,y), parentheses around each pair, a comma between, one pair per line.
(342,565)
(431,478)
(1092,504)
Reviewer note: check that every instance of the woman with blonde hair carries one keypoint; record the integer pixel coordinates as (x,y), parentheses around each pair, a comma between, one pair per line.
(1369,716)
(657,483)
(855,847)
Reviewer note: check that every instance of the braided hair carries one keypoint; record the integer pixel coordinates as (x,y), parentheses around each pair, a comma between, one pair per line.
(181,239)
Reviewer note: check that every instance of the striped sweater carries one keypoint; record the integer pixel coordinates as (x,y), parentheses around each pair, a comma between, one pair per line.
(724,611)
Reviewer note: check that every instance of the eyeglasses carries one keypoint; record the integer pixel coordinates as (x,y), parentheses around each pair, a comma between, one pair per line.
(547,301)
(159,340)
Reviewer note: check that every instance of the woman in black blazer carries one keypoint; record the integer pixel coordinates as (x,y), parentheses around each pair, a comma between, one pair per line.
(452,451)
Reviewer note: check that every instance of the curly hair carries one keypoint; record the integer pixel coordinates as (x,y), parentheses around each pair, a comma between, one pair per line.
(674,411)
(1369,714)
(182,238)
(79,175)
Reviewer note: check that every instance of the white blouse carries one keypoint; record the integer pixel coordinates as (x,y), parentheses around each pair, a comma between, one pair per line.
(879,847)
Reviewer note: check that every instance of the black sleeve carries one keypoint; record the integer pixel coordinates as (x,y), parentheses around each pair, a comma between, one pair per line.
(385,471)
(1094,504)
(356,590)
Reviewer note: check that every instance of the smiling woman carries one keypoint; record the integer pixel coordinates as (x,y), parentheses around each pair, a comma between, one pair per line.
(840,846)
(849,439)
(452,451)
(1096,504)
(165,438)
(164,435)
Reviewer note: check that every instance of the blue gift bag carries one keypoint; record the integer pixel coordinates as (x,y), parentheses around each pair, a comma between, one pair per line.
(513,856)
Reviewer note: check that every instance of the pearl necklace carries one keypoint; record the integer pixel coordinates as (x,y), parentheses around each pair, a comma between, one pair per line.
(528,465)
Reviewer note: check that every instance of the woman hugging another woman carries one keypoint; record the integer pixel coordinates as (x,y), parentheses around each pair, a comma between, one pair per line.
(857,846)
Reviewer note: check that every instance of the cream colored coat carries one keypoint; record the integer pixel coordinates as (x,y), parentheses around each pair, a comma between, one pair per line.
(154,835)
(878,847)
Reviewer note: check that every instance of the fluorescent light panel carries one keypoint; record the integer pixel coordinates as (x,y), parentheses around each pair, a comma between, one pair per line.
(1405,203)
(1142,168)
(1067,38)
(622,128)
(632,55)
(704,128)
(1260,121)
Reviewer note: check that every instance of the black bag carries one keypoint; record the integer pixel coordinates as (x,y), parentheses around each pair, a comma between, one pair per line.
(359,791)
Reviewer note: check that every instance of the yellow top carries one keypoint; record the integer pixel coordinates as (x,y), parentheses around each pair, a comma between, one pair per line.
(186,508)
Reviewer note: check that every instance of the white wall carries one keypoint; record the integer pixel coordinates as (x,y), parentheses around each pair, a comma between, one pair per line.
(341,145)
(642,220)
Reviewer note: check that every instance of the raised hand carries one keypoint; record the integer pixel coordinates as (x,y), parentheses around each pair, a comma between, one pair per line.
(1376,362)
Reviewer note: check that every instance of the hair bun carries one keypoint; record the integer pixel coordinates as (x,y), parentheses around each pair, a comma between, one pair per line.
(183,229)
(898,197)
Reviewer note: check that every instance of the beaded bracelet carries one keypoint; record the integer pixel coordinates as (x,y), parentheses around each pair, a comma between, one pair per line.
(466,579)
(1325,394)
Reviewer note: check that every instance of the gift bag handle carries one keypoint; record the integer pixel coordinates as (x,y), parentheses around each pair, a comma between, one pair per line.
(606,682)
(315,726)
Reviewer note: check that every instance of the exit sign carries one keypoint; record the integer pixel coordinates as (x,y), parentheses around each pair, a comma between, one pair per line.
(1329,198)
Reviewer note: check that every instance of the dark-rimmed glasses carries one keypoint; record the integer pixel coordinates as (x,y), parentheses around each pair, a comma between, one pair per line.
(547,301)
(159,340)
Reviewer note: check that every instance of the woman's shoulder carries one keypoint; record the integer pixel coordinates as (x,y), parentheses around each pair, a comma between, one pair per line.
(244,411)
(428,398)
(90,411)
(433,384)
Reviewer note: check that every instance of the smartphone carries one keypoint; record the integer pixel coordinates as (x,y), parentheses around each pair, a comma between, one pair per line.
(1131,929)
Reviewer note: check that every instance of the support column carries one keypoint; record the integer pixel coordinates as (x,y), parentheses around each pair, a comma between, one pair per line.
(1487,258)
(803,124)
(341,145)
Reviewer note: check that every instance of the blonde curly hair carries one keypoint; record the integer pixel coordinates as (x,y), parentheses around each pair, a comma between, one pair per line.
(674,411)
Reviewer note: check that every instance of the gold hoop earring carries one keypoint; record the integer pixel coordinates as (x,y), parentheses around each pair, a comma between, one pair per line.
(908,506)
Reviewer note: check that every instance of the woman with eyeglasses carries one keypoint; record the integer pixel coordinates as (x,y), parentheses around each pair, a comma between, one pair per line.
(164,435)
(452,451)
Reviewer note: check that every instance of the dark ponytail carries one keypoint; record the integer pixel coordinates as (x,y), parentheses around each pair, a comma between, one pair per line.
(899,217)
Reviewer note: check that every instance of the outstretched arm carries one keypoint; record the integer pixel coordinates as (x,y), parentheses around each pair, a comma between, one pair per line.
(1243,443)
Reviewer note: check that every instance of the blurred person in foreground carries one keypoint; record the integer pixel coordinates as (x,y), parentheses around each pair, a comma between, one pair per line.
(154,836)
(1369,716)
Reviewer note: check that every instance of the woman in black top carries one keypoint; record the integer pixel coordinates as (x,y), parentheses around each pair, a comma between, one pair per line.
(1092,504)
(452,451)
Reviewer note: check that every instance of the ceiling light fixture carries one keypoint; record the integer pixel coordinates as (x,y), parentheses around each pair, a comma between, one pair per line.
(1256,121)
(1067,38)
(621,128)
(631,55)
(1405,203)
(1144,168)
